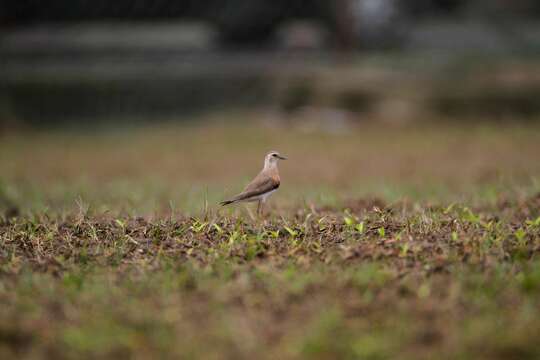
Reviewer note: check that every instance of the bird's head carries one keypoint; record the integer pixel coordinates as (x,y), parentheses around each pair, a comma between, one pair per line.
(272,158)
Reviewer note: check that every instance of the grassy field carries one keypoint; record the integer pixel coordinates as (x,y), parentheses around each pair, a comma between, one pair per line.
(413,242)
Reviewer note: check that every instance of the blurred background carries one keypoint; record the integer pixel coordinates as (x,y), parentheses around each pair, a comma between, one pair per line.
(84,62)
(249,71)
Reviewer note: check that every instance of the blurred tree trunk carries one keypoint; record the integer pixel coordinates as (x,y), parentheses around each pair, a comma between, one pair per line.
(345,25)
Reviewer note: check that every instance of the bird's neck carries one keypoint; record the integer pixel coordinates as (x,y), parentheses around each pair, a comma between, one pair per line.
(270,166)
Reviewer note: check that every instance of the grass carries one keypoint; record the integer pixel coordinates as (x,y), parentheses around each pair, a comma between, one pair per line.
(151,170)
(387,243)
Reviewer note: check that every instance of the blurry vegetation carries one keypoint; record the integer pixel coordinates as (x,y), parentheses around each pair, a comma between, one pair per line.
(359,101)
(238,21)
(493,103)
(457,89)
(43,103)
(487,90)
(297,94)
(255,22)
(78,73)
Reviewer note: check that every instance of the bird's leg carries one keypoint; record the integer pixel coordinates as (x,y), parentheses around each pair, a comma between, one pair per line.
(250,213)
(262,208)
(259,208)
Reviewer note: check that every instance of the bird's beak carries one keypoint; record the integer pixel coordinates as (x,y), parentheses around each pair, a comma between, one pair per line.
(282,157)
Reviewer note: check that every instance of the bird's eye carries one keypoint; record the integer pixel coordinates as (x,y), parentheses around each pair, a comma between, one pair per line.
(274,155)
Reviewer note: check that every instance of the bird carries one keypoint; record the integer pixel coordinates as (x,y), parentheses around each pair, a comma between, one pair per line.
(263,185)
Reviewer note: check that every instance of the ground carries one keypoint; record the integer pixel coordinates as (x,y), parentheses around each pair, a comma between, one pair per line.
(418,241)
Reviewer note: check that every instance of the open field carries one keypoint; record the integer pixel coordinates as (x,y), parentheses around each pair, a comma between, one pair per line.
(409,242)
(144,171)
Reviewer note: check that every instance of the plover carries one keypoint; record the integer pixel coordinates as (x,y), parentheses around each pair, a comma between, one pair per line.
(264,184)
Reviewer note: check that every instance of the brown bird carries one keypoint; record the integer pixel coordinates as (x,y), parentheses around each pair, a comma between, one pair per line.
(264,184)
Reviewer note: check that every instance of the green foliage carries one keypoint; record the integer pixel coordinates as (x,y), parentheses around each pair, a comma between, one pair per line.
(359,227)
(292,233)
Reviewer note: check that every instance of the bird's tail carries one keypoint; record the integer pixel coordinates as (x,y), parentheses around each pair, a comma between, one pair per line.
(226,202)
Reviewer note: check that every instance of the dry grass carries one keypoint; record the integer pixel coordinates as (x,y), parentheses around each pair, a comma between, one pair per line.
(149,168)
(382,243)
(414,282)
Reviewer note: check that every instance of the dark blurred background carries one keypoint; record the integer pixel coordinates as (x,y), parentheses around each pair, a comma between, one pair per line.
(95,62)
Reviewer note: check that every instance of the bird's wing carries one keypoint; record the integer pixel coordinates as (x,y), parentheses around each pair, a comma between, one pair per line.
(260,185)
